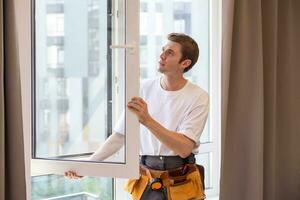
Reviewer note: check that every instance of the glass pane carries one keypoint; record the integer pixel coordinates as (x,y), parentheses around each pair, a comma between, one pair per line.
(205,159)
(79,94)
(60,188)
(185,16)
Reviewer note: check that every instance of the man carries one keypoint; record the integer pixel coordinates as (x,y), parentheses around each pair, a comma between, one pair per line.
(173,113)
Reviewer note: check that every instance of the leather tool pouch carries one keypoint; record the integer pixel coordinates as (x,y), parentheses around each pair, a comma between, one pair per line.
(186,186)
(178,185)
(136,187)
(202,173)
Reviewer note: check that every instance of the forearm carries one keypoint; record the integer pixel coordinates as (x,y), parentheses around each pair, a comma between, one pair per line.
(110,146)
(177,142)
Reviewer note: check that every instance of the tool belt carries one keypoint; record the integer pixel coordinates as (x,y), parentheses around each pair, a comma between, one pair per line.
(181,183)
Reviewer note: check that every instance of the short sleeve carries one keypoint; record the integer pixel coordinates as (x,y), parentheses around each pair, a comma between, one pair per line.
(194,122)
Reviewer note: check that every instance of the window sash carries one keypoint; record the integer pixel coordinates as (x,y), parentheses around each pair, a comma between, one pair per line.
(131,167)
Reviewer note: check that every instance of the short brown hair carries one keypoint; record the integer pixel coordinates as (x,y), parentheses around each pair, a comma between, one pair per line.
(189,48)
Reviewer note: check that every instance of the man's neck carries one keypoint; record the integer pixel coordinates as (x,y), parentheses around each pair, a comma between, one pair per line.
(172,83)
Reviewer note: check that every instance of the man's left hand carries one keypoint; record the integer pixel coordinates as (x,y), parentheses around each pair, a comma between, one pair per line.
(139,107)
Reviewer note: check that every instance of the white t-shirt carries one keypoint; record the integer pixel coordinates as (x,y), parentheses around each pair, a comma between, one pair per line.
(183,111)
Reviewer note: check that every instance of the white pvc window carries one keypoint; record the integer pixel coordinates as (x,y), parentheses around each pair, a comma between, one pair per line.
(84,71)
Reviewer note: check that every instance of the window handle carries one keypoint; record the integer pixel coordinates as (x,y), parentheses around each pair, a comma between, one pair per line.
(130,47)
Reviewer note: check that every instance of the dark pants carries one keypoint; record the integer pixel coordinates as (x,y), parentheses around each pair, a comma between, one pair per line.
(150,194)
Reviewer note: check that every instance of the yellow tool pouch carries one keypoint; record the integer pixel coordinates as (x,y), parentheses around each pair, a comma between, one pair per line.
(186,187)
(136,187)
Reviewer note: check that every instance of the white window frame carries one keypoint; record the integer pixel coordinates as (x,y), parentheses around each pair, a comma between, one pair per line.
(130,169)
(23,23)
(215,99)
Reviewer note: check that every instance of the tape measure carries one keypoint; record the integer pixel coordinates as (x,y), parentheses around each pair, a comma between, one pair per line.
(156,184)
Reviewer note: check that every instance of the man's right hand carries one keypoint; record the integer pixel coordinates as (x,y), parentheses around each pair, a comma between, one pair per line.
(72,175)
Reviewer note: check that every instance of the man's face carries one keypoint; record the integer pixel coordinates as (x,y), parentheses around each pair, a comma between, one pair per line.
(170,57)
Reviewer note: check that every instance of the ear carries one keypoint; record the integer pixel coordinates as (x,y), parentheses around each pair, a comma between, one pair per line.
(186,63)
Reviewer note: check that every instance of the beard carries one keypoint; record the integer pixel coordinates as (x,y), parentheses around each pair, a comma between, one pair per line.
(160,68)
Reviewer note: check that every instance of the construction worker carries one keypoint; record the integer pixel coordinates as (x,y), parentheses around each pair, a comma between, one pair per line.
(172,112)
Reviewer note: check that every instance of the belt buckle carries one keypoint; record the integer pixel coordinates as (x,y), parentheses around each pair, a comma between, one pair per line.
(161,162)
(162,158)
